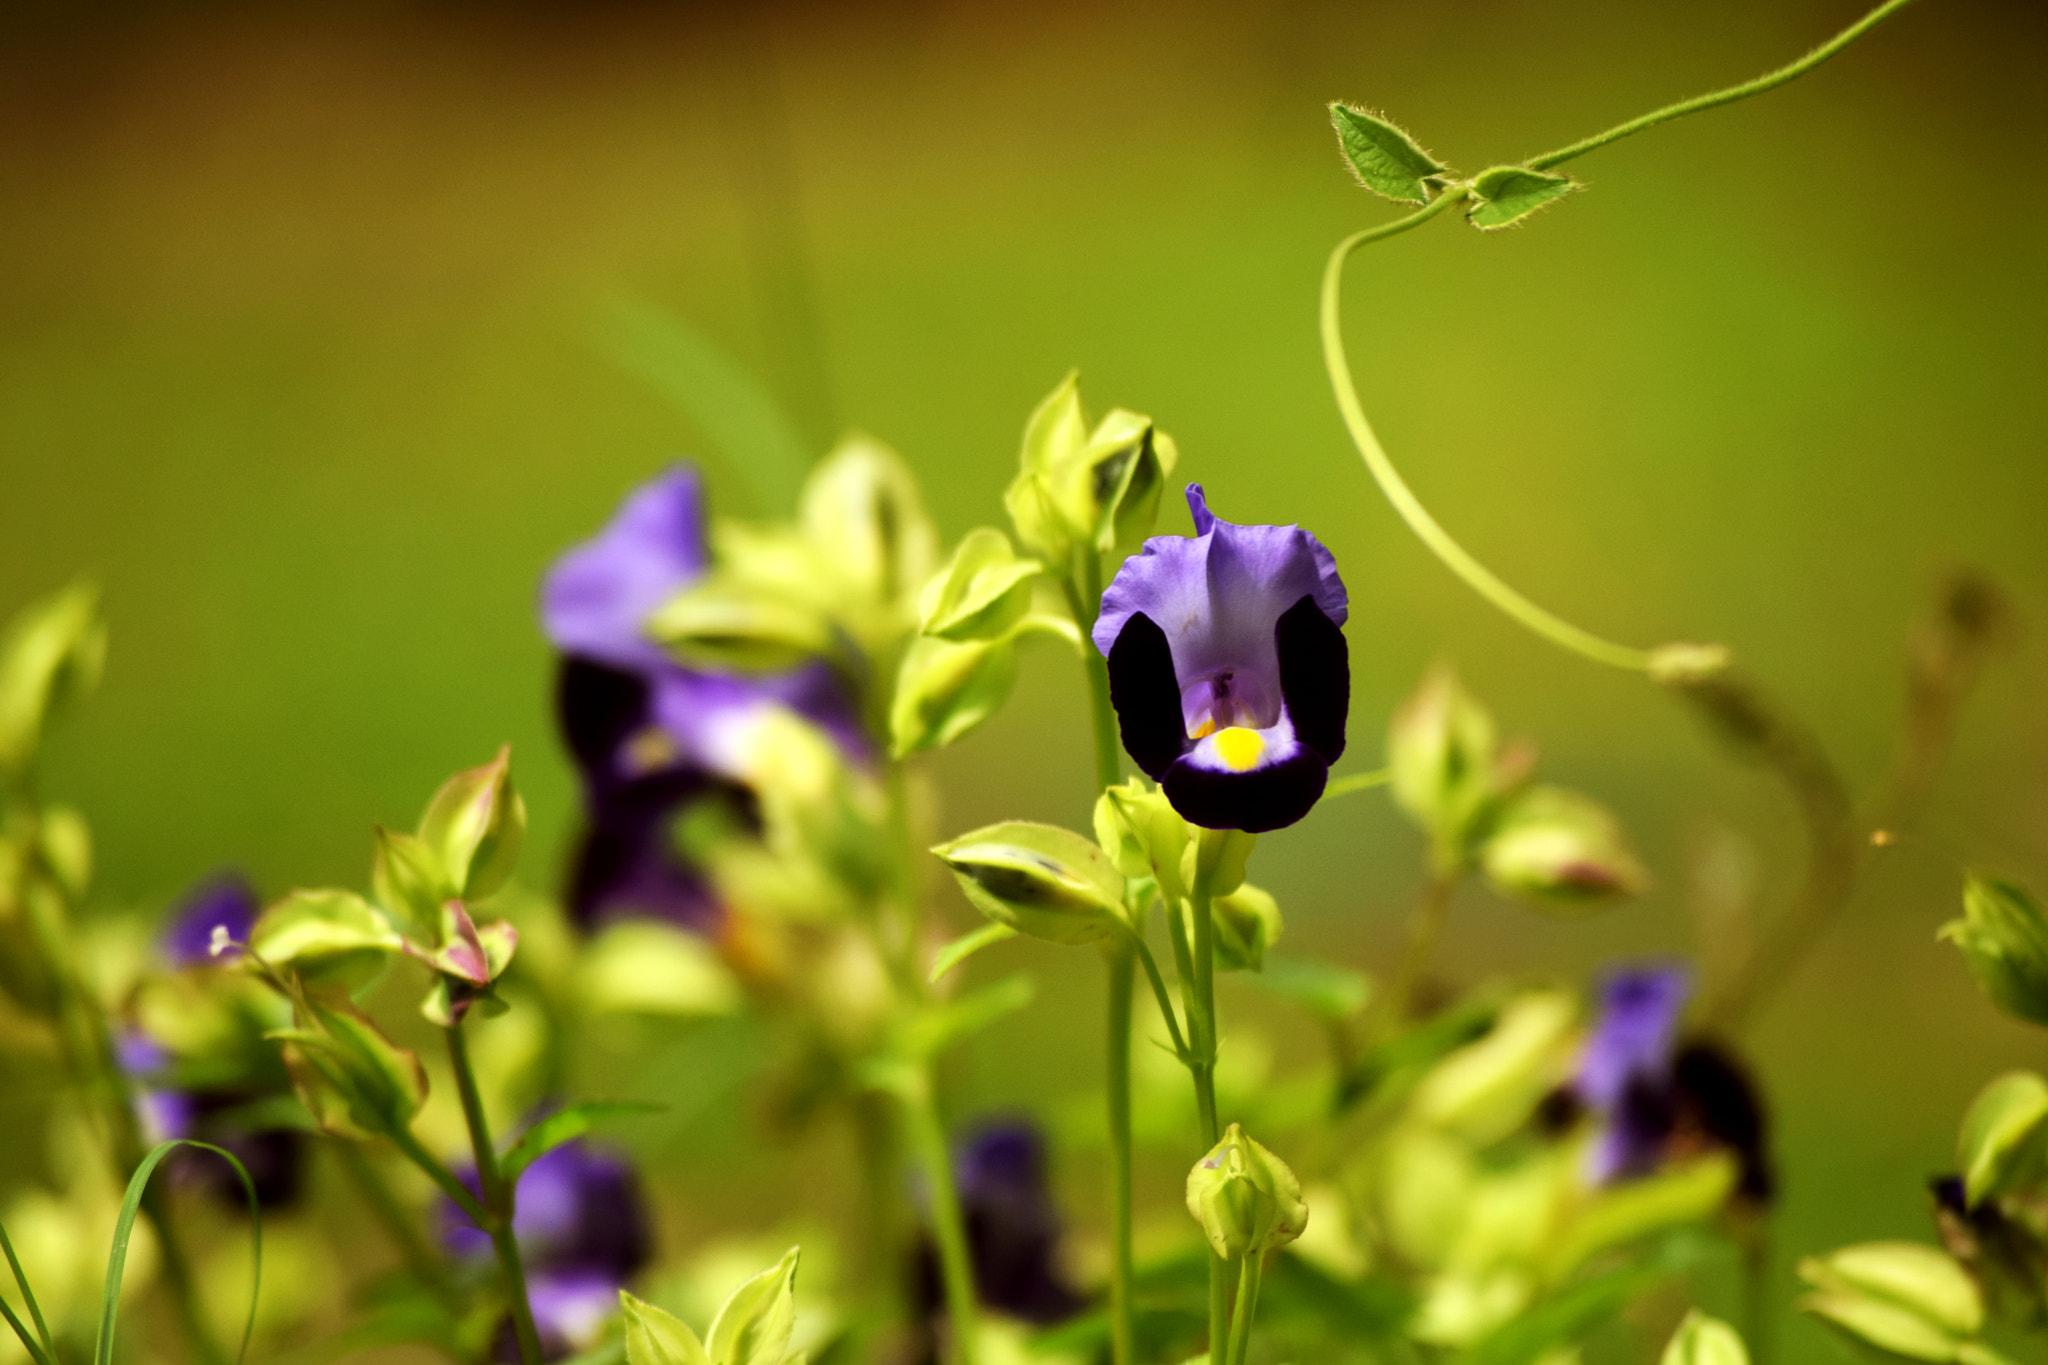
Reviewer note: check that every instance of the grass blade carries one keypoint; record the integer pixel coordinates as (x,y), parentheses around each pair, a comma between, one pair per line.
(28,1296)
(124,1228)
(35,1352)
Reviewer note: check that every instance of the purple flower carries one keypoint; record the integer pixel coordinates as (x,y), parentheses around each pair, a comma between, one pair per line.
(274,1157)
(583,1234)
(1229,673)
(225,900)
(648,734)
(1013,1229)
(1624,1074)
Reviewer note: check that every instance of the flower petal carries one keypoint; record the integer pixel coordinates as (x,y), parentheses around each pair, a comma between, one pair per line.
(1285,786)
(1315,677)
(1146,695)
(598,595)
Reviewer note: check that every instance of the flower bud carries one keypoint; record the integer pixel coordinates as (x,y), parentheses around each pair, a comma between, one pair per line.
(1143,835)
(1247,924)
(982,593)
(356,1082)
(1443,749)
(2005,940)
(862,512)
(474,825)
(53,650)
(1122,472)
(1246,1199)
(726,621)
(1701,1340)
(1219,855)
(1082,489)
(1902,1298)
(1560,851)
(1040,880)
(2004,1136)
(944,689)
(1052,438)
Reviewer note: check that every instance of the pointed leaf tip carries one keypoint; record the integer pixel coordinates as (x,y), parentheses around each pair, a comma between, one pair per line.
(1385,159)
(1505,195)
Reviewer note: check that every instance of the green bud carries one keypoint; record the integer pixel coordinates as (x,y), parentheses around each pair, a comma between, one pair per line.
(356,1082)
(327,936)
(1560,851)
(982,594)
(1444,752)
(1144,835)
(1247,924)
(1219,856)
(475,825)
(724,621)
(2004,1138)
(1052,437)
(644,966)
(1701,1340)
(1904,1299)
(1080,489)
(2005,940)
(53,650)
(863,515)
(1246,1199)
(1124,469)
(944,689)
(1040,880)
(66,842)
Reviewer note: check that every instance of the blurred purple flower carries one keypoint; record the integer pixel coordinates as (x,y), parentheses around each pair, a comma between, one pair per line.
(273,1157)
(648,734)
(1228,668)
(225,900)
(583,1234)
(1013,1231)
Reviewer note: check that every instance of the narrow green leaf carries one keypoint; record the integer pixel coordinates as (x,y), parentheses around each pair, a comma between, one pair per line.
(1384,158)
(754,1325)
(28,1296)
(967,945)
(754,436)
(940,1028)
(1325,989)
(1508,194)
(1565,1318)
(566,1125)
(655,1336)
(124,1228)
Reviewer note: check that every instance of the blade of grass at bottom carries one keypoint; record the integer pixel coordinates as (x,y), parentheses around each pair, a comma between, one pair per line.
(124,1229)
(48,1354)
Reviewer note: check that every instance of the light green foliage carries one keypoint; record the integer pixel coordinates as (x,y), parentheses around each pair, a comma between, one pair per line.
(65,841)
(982,593)
(1040,880)
(725,622)
(967,945)
(1328,990)
(1078,489)
(564,1125)
(1143,835)
(1448,774)
(1504,195)
(475,824)
(1686,1194)
(355,1081)
(53,650)
(862,513)
(2004,939)
(1247,924)
(1559,851)
(640,966)
(1384,158)
(329,934)
(1905,1300)
(124,1227)
(753,1328)
(2004,1136)
(1217,856)
(944,689)
(1701,1340)
(1246,1199)
(409,882)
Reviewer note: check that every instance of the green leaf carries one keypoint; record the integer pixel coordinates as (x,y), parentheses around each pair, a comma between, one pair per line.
(754,1326)
(968,944)
(1701,1340)
(942,1026)
(1680,1195)
(566,1125)
(1247,922)
(944,689)
(46,1353)
(721,622)
(475,824)
(1040,880)
(1508,194)
(983,593)
(124,1228)
(356,1082)
(2002,1141)
(53,650)
(862,513)
(1324,989)
(408,880)
(1384,158)
(655,1336)
(748,428)
(1564,1318)
(323,931)
(2004,939)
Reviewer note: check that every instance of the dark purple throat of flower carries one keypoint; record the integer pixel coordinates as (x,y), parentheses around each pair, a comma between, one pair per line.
(1228,669)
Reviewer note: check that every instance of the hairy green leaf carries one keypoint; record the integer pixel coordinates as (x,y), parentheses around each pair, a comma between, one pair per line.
(1384,158)
(1508,194)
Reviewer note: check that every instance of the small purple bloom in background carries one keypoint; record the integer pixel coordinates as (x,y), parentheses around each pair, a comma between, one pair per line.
(1013,1231)
(225,900)
(1656,1099)
(1229,673)
(583,1235)
(648,734)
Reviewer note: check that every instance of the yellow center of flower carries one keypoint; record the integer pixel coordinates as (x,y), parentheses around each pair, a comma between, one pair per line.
(1239,748)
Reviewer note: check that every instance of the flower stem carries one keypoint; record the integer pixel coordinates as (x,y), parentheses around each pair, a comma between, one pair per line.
(1250,1267)
(498,1198)
(405,1235)
(1770,80)
(1122,959)
(1425,930)
(1084,599)
(956,1270)
(1202,1027)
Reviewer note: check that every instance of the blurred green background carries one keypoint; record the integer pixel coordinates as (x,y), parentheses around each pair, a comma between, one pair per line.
(308,354)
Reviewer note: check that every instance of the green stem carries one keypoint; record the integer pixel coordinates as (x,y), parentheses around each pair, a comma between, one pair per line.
(498,1198)
(1159,993)
(409,1147)
(1202,1025)
(1250,1267)
(419,1258)
(1084,599)
(1770,80)
(1477,576)
(1122,1326)
(956,1270)
(1358,782)
(1425,930)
